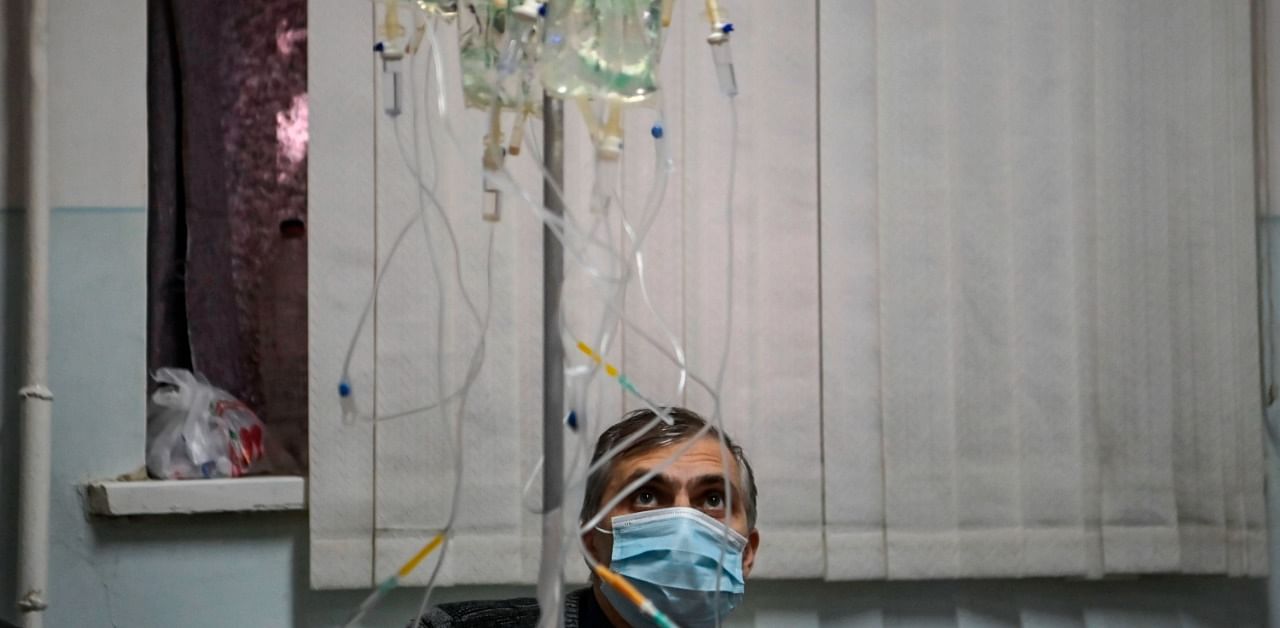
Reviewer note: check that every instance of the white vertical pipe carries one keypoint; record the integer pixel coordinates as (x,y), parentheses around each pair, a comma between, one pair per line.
(37,400)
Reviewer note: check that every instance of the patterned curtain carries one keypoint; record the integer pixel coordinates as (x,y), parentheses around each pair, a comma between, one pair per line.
(227,264)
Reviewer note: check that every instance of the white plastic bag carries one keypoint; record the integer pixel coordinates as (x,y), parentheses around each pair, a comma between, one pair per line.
(195,430)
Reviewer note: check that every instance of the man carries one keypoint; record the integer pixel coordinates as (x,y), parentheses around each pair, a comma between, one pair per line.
(664,537)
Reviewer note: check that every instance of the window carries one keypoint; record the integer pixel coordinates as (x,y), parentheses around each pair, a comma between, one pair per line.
(227,253)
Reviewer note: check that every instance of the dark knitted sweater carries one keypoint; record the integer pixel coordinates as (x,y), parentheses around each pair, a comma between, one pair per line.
(581,610)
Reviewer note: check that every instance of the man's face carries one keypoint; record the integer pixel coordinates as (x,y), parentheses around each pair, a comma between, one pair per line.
(695,481)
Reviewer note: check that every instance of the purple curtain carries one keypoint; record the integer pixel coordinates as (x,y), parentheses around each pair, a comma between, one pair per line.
(227,256)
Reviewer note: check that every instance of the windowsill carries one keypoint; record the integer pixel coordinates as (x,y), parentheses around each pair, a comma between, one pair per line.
(189,497)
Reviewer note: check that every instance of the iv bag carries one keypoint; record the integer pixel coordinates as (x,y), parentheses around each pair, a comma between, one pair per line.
(486,31)
(602,49)
(444,8)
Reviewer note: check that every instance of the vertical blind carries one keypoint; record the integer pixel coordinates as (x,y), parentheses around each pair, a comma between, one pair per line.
(994,305)
(1039,286)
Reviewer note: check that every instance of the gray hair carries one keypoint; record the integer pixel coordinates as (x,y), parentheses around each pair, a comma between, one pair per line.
(686,423)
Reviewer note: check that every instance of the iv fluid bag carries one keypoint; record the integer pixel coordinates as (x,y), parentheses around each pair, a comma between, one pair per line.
(484,31)
(444,8)
(602,49)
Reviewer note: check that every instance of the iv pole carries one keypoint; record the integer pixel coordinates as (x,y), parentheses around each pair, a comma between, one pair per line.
(553,410)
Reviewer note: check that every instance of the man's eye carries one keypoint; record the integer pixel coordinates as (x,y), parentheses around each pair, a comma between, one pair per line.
(714,501)
(645,498)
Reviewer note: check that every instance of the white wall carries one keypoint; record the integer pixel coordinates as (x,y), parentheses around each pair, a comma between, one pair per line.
(251,570)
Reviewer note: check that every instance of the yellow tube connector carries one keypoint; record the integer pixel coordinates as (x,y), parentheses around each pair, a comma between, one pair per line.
(719,28)
(589,117)
(517,132)
(609,147)
(628,591)
(493,152)
(713,13)
(621,585)
(391,26)
(494,155)
(412,563)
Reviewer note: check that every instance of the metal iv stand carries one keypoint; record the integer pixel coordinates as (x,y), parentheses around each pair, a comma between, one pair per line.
(553,409)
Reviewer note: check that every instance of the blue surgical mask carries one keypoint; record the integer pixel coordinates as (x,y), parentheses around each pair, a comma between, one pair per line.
(673,556)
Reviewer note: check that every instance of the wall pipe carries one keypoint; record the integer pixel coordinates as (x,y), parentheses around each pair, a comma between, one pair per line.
(36,399)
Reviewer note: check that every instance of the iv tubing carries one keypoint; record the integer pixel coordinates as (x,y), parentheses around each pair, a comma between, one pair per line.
(552,599)
(662,170)
(713,13)
(561,233)
(350,407)
(728,331)
(656,195)
(666,463)
(476,361)
(657,192)
(679,360)
(522,195)
(473,371)
(550,585)
(626,491)
(635,597)
(503,180)
(717,416)
(392,582)
(426,234)
(477,358)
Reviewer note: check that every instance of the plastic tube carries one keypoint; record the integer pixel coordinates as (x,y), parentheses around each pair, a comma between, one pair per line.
(662,171)
(604,188)
(387,585)
(724,359)
(717,419)
(392,53)
(565,230)
(517,132)
(713,13)
(634,596)
(416,171)
(351,410)
(477,359)
(516,37)
(717,415)
(722,56)
(652,204)
(502,180)
(655,197)
(473,371)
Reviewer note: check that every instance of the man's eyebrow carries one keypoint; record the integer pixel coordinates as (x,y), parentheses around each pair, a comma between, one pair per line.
(662,479)
(715,479)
